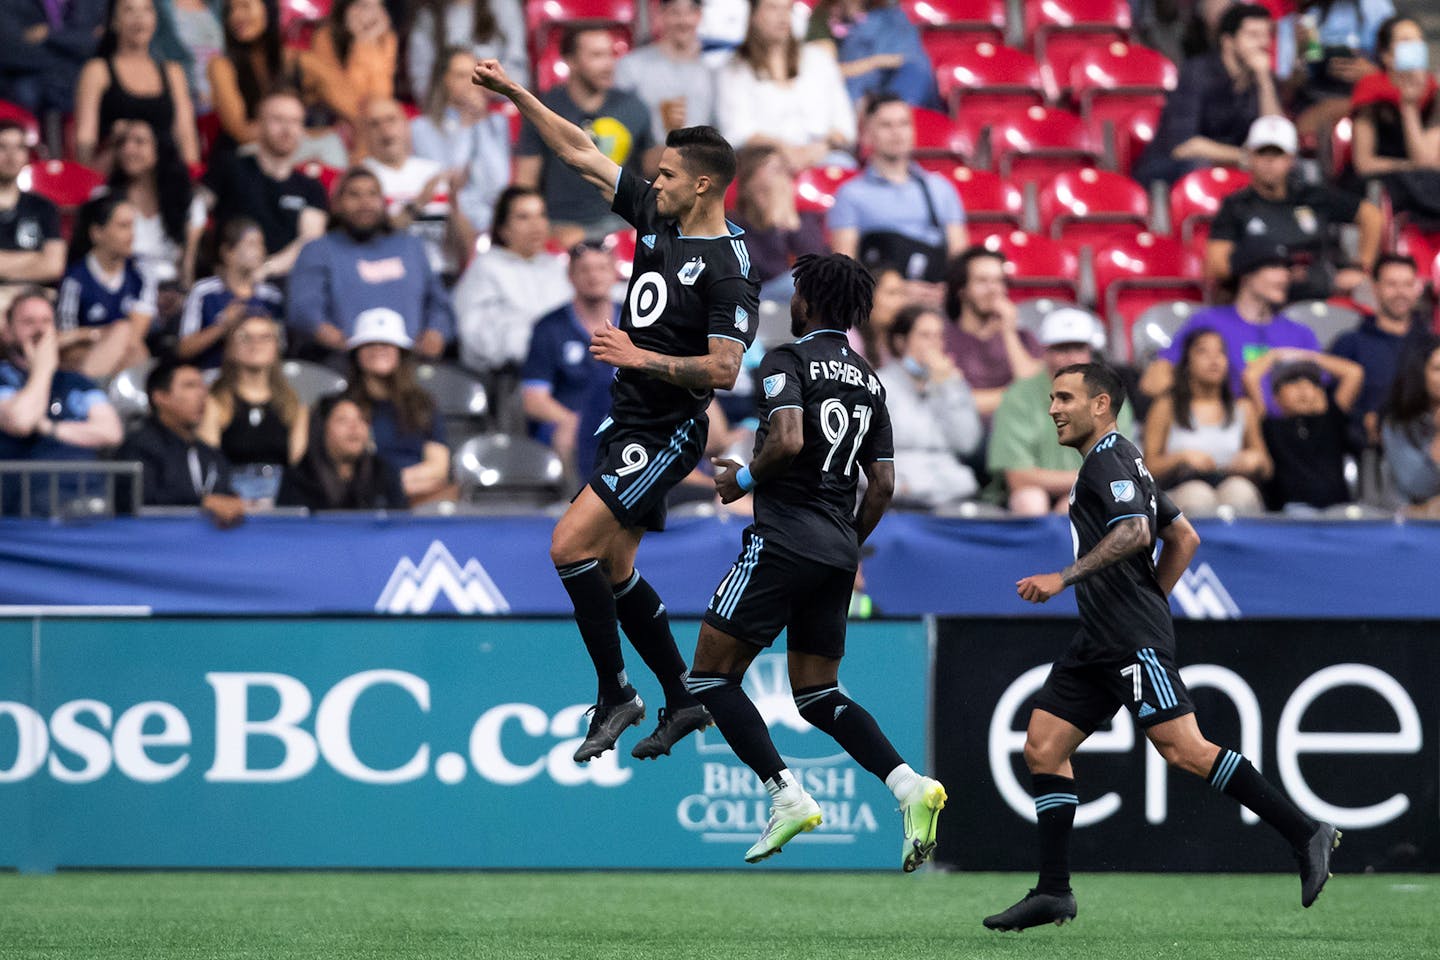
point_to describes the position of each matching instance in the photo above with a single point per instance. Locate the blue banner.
(919, 565)
(397, 743)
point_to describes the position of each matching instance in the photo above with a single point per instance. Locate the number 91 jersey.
(810, 508)
(683, 291)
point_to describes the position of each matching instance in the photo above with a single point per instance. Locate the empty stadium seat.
(1328, 320)
(547, 19)
(815, 188)
(992, 204)
(1119, 78)
(63, 182)
(1061, 31)
(26, 119)
(1196, 198)
(1155, 329)
(127, 391)
(1039, 143)
(988, 79)
(312, 380)
(499, 463)
(1126, 134)
(936, 135)
(1037, 266)
(1135, 274)
(621, 245)
(970, 19)
(1093, 207)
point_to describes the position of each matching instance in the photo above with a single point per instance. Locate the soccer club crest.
(1122, 490)
(742, 319)
(691, 271)
(773, 385)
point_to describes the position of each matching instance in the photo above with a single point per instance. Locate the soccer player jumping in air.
(823, 421)
(689, 315)
(1124, 653)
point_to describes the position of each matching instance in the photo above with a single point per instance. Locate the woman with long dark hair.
(1411, 429)
(340, 471)
(1202, 443)
(106, 305)
(489, 29)
(169, 217)
(124, 82)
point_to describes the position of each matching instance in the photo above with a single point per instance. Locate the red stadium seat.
(1341, 144)
(303, 11)
(815, 188)
(1039, 143)
(973, 19)
(1061, 31)
(327, 175)
(989, 80)
(1037, 266)
(502, 105)
(1196, 198)
(1093, 207)
(1121, 77)
(1127, 134)
(992, 205)
(936, 135)
(26, 119)
(547, 19)
(63, 182)
(621, 245)
(1135, 274)
(551, 70)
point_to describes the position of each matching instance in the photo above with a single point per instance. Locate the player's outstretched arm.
(715, 370)
(1180, 543)
(880, 475)
(1127, 537)
(571, 144)
(783, 443)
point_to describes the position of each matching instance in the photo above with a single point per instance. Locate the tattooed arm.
(715, 370)
(1129, 536)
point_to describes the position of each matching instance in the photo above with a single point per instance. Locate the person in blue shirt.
(216, 306)
(106, 303)
(1379, 341)
(879, 50)
(45, 413)
(363, 263)
(562, 385)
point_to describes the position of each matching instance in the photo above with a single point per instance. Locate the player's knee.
(566, 547)
(1041, 757)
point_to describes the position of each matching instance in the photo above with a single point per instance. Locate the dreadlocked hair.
(837, 289)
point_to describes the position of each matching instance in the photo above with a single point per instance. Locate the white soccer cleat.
(921, 810)
(787, 820)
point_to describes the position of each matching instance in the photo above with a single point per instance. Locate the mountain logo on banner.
(414, 588)
(1201, 596)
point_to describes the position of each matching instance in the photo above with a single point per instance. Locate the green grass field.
(686, 916)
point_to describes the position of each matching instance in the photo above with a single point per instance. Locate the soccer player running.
(823, 421)
(689, 316)
(1124, 653)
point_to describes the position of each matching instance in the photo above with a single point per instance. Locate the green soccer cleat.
(787, 820)
(921, 810)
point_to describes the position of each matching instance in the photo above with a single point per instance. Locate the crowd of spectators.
(340, 193)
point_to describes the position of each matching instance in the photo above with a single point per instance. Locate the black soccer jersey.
(683, 291)
(1122, 608)
(810, 508)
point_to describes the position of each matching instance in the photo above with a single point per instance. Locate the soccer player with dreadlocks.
(823, 421)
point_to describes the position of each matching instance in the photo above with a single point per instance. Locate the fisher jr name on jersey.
(683, 291)
(846, 372)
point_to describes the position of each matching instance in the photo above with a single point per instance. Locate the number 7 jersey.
(810, 508)
(683, 291)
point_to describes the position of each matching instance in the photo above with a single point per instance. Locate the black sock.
(827, 709)
(743, 727)
(1234, 776)
(590, 592)
(1055, 803)
(646, 623)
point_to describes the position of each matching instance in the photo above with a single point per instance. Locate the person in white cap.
(409, 431)
(1279, 215)
(1030, 472)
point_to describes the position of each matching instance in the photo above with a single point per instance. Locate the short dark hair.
(904, 322)
(837, 290)
(1233, 19)
(10, 124)
(503, 204)
(31, 291)
(1391, 260)
(957, 275)
(1099, 378)
(570, 36)
(160, 379)
(351, 175)
(704, 151)
(873, 105)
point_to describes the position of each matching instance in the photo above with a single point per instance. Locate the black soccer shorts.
(1088, 692)
(636, 466)
(769, 589)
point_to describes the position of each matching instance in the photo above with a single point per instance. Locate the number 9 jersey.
(810, 508)
(683, 291)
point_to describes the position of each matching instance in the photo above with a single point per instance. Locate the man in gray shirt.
(618, 122)
(669, 75)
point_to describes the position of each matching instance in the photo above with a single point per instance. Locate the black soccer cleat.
(674, 726)
(607, 722)
(1315, 862)
(1035, 910)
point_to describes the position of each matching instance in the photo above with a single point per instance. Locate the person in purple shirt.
(985, 340)
(1251, 327)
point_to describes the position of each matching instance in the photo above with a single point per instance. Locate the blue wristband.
(743, 477)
